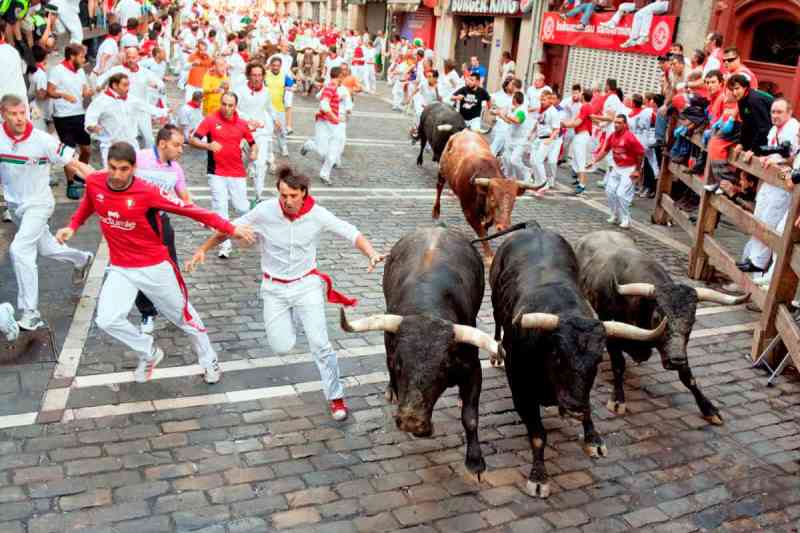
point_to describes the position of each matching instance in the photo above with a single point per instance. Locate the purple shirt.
(168, 176)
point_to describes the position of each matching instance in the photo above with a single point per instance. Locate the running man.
(125, 205)
(25, 158)
(287, 229)
(329, 128)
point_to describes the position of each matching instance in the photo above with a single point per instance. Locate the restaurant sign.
(486, 7)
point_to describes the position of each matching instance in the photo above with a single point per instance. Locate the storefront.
(413, 20)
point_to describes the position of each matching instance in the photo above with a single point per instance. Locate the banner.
(557, 31)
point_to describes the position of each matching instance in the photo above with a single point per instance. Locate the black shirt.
(472, 104)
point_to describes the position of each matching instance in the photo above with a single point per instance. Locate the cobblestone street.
(259, 451)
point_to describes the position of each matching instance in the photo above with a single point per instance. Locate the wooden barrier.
(707, 254)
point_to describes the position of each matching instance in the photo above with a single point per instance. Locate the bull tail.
(515, 227)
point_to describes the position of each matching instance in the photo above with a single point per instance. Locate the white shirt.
(506, 69)
(127, 9)
(642, 124)
(39, 83)
(533, 98)
(330, 63)
(613, 105)
(188, 118)
(128, 40)
(548, 121)
(289, 248)
(142, 81)
(118, 118)
(236, 68)
(67, 81)
(107, 54)
(25, 167)
(12, 81)
(787, 133)
(257, 106)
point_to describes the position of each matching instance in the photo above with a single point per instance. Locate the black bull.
(437, 124)
(552, 340)
(623, 283)
(433, 284)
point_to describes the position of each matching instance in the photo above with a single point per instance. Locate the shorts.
(71, 130)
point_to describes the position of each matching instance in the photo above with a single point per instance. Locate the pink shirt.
(167, 176)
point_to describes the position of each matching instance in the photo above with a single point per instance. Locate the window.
(776, 41)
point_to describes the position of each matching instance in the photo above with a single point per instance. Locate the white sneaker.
(601, 184)
(144, 370)
(224, 253)
(628, 43)
(212, 374)
(7, 216)
(612, 219)
(711, 187)
(31, 320)
(148, 324)
(79, 275)
(625, 224)
(8, 326)
(285, 151)
(325, 179)
(607, 25)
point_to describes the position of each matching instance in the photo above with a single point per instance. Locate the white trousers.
(619, 190)
(642, 19)
(474, 123)
(544, 152)
(160, 284)
(580, 151)
(772, 204)
(328, 142)
(652, 160)
(264, 143)
(779, 231)
(145, 126)
(33, 239)
(222, 188)
(305, 300)
(500, 136)
(70, 21)
(397, 95)
(513, 158)
(281, 137)
(369, 78)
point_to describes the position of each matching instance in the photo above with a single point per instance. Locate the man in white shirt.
(27, 154)
(605, 122)
(533, 97)
(12, 81)
(108, 51)
(130, 38)
(69, 19)
(128, 9)
(40, 105)
(288, 230)
(546, 142)
(191, 114)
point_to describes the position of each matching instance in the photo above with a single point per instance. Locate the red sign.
(557, 31)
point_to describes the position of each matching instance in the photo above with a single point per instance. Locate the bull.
(623, 283)
(487, 197)
(437, 124)
(433, 285)
(552, 340)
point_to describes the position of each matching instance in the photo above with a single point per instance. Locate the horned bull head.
(501, 193)
(419, 361)
(578, 344)
(676, 304)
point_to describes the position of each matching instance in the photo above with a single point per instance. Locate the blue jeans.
(661, 127)
(586, 9)
(681, 148)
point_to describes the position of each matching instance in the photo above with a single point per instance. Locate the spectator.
(754, 110)
(642, 20)
(578, 7)
(475, 67)
(713, 49)
(732, 65)
(507, 66)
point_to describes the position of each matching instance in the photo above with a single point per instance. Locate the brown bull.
(474, 174)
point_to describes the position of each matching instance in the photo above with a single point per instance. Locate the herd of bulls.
(556, 309)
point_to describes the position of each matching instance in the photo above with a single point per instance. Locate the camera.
(796, 176)
(784, 150)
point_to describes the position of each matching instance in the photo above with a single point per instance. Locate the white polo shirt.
(25, 167)
(67, 81)
(255, 105)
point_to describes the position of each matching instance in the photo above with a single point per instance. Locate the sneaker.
(625, 224)
(8, 326)
(711, 187)
(762, 281)
(285, 151)
(719, 191)
(580, 189)
(31, 320)
(303, 150)
(601, 184)
(607, 25)
(212, 374)
(224, 253)
(325, 179)
(289, 131)
(79, 275)
(144, 370)
(7, 216)
(612, 219)
(74, 191)
(148, 324)
(627, 44)
(338, 409)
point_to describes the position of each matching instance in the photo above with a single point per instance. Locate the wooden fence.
(707, 254)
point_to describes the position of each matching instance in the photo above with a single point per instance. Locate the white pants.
(281, 137)
(642, 19)
(652, 160)
(33, 239)
(772, 204)
(500, 136)
(222, 188)
(358, 73)
(779, 231)
(160, 284)
(264, 143)
(513, 157)
(369, 78)
(397, 95)
(474, 123)
(328, 141)
(619, 190)
(305, 300)
(69, 20)
(581, 151)
(545, 151)
(145, 126)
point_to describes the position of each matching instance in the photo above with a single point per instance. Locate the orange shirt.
(200, 64)
(352, 84)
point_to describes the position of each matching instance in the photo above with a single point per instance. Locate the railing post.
(664, 186)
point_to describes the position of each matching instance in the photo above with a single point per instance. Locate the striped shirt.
(329, 102)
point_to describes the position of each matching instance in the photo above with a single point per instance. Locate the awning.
(407, 6)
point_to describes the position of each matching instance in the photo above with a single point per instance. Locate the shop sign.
(565, 32)
(486, 7)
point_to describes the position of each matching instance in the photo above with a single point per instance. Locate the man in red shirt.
(732, 64)
(580, 149)
(127, 208)
(329, 130)
(221, 134)
(626, 157)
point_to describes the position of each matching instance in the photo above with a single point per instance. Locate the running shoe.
(601, 183)
(626, 223)
(8, 326)
(711, 187)
(541, 191)
(224, 253)
(7, 216)
(212, 374)
(31, 320)
(144, 370)
(79, 275)
(338, 409)
(148, 324)
(74, 191)
(580, 189)
(303, 150)
(285, 151)
(325, 179)
(612, 219)
(289, 131)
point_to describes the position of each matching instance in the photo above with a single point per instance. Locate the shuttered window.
(635, 73)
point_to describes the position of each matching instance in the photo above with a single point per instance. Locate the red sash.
(333, 296)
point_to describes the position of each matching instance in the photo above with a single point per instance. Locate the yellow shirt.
(276, 84)
(212, 100)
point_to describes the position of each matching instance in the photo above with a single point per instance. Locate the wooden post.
(663, 187)
(707, 220)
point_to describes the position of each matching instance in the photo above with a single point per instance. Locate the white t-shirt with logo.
(67, 81)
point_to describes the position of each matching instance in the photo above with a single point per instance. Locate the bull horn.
(481, 340)
(710, 295)
(621, 330)
(388, 323)
(444, 127)
(527, 185)
(646, 290)
(540, 321)
(480, 182)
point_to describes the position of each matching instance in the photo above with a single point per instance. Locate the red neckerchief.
(254, 90)
(115, 96)
(308, 203)
(133, 32)
(40, 66)
(774, 140)
(69, 65)
(245, 56)
(133, 68)
(12, 135)
(635, 111)
(193, 104)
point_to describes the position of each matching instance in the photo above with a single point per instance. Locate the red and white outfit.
(292, 286)
(25, 174)
(143, 81)
(329, 131)
(226, 173)
(626, 152)
(255, 104)
(140, 261)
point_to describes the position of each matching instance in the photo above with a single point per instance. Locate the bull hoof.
(596, 450)
(476, 467)
(389, 395)
(538, 490)
(615, 407)
(715, 420)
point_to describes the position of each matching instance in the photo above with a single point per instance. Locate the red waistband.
(332, 295)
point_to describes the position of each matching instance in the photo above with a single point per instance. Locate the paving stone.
(185, 501)
(15, 510)
(312, 496)
(200, 517)
(170, 471)
(82, 467)
(250, 524)
(231, 494)
(198, 482)
(11, 494)
(141, 491)
(37, 473)
(259, 506)
(644, 517)
(173, 440)
(94, 498)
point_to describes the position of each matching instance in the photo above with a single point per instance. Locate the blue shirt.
(480, 70)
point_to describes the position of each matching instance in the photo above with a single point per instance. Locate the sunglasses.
(729, 59)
